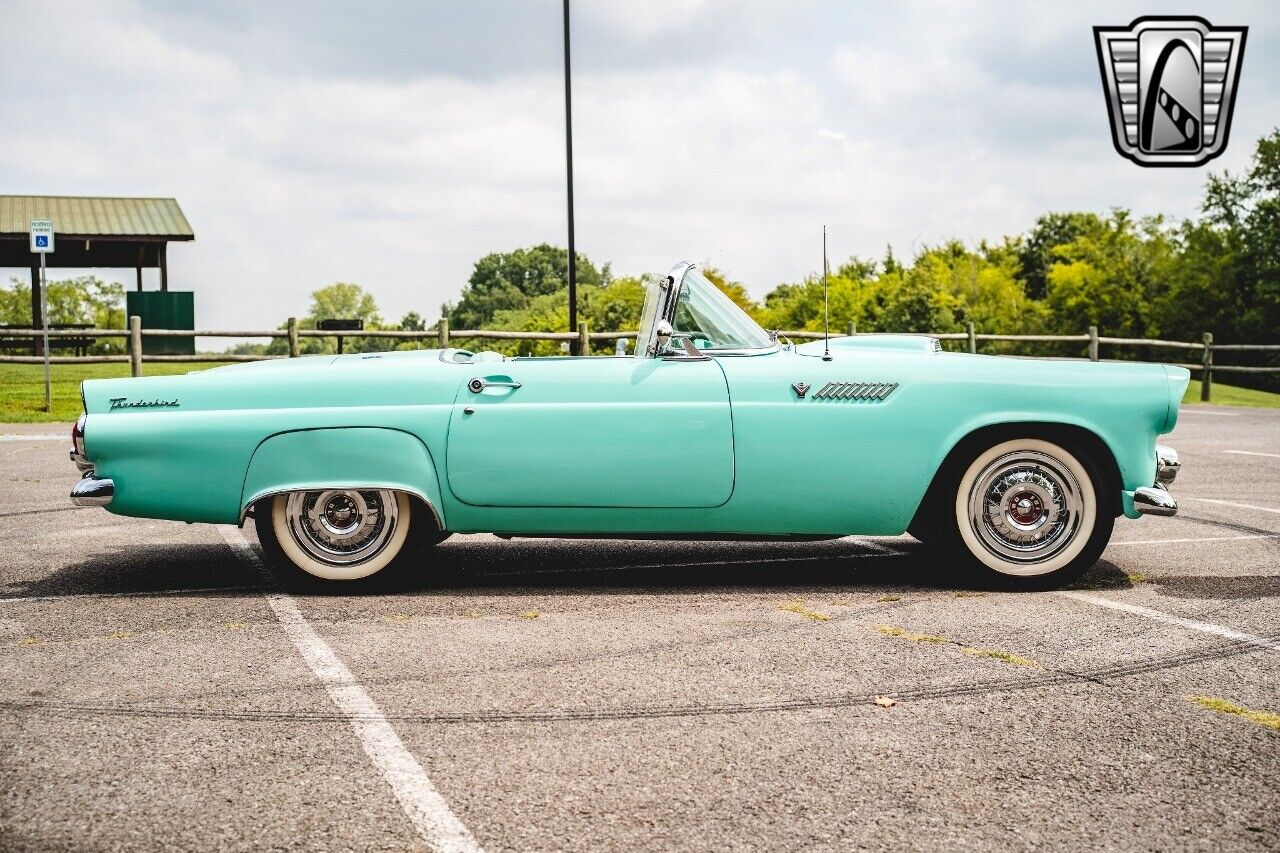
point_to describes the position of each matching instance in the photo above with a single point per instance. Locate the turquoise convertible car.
(714, 428)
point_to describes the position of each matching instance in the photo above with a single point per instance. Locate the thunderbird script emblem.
(1171, 86)
(801, 388)
(126, 403)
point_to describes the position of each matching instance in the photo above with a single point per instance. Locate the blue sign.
(42, 241)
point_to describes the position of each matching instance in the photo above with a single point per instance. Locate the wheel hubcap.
(1025, 507)
(342, 526)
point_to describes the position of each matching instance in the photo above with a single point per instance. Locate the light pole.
(568, 157)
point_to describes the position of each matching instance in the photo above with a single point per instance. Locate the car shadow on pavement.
(586, 567)
(143, 570)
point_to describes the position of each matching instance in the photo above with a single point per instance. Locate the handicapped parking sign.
(42, 235)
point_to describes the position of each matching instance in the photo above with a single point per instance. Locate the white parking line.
(1201, 539)
(1234, 504)
(17, 436)
(1186, 411)
(1170, 619)
(439, 827)
(1253, 453)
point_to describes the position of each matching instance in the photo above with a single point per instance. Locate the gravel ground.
(606, 695)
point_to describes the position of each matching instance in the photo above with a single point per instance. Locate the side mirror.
(664, 333)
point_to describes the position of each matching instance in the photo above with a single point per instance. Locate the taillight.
(77, 435)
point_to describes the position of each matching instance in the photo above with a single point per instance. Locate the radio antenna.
(826, 319)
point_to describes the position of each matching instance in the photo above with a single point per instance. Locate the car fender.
(1130, 445)
(342, 457)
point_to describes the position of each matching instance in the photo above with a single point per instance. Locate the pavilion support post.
(37, 315)
(139, 272)
(293, 337)
(138, 268)
(135, 345)
(161, 250)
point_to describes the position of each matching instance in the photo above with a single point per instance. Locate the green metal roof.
(74, 216)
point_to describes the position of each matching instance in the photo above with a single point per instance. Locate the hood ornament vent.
(873, 392)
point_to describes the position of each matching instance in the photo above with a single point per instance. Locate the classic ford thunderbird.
(1016, 468)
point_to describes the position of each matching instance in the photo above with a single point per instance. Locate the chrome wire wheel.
(1025, 507)
(342, 527)
(1028, 508)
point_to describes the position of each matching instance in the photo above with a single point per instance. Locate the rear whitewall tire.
(1026, 512)
(283, 530)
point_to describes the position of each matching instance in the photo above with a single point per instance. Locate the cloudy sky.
(394, 143)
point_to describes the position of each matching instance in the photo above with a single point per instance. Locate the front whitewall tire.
(1042, 471)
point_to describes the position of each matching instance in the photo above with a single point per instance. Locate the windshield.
(713, 320)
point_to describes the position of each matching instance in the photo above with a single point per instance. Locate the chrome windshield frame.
(670, 298)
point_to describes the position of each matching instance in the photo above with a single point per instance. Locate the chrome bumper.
(93, 492)
(1155, 499)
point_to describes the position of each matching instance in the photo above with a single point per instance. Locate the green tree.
(84, 300)
(509, 281)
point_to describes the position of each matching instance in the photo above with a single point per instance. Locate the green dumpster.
(164, 309)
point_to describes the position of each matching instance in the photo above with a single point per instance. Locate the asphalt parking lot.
(604, 695)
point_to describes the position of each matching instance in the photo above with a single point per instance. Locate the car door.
(592, 432)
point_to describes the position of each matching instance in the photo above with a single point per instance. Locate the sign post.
(42, 244)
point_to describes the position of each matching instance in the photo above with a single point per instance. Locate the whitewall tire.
(1028, 512)
(336, 534)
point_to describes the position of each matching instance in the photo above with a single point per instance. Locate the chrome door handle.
(475, 386)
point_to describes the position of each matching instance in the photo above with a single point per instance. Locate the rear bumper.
(91, 491)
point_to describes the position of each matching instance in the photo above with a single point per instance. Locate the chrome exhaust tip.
(1154, 500)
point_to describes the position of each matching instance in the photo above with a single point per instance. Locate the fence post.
(1206, 369)
(293, 337)
(442, 331)
(853, 328)
(135, 345)
(584, 339)
(1093, 343)
(973, 338)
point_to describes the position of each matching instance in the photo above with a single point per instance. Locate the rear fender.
(342, 458)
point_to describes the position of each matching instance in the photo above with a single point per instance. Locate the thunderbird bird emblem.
(801, 388)
(1171, 85)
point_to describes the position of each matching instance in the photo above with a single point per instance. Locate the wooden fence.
(442, 335)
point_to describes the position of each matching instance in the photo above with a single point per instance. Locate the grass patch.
(889, 598)
(1222, 706)
(529, 614)
(1000, 654)
(799, 608)
(1230, 395)
(903, 634)
(966, 594)
(22, 387)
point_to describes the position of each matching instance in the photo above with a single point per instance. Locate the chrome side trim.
(1154, 500)
(91, 491)
(871, 391)
(270, 493)
(1167, 464)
